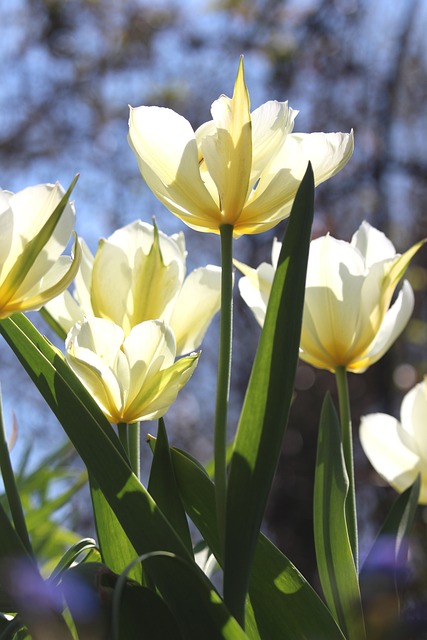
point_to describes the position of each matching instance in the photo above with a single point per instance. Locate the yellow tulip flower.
(133, 377)
(35, 230)
(138, 274)
(241, 168)
(347, 320)
(398, 450)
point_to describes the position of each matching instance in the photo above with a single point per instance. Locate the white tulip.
(133, 377)
(398, 450)
(138, 274)
(241, 168)
(348, 321)
(35, 227)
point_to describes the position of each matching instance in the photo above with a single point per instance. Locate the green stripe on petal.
(35, 302)
(32, 249)
(161, 391)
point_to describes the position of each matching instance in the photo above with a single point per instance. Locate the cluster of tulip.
(133, 311)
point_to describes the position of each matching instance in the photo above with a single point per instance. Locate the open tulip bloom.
(134, 377)
(36, 225)
(398, 450)
(241, 169)
(347, 321)
(146, 270)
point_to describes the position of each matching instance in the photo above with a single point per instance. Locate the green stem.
(11, 489)
(134, 444)
(347, 441)
(122, 430)
(223, 380)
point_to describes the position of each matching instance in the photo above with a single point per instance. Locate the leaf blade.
(265, 411)
(334, 556)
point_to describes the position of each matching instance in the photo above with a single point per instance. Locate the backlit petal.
(91, 351)
(413, 415)
(255, 288)
(166, 149)
(271, 123)
(391, 458)
(197, 303)
(393, 324)
(228, 153)
(149, 347)
(131, 263)
(372, 244)
(161, 390)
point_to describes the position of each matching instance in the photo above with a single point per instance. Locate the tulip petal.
(6, 233)
(149, 348)
(228, 154)
(394, 322)
(91, 351)
(382, 443)
(271, 123)
(161, 390)
(67, 310)
(312, 349)
(166, 150)
(197, 303)
(255, 288)
(327, 152)
(273, 196)
(394, 271)
(32, 208)
(372, 244)
(83, 279)
(131, 264)
(413, 414)
(275, 252)
(334, 282)
(54, 282)
(36, 248)
(269, 202)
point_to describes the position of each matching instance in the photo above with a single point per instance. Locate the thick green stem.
(122, 430)
(224, 368)
(11, 489)
(134, 444)
(129, 436)
(347, 441)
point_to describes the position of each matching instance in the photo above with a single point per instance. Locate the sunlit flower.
(138, 274)
(35, 227)
(133, 377)
(347, 321)
(398, 450)
(240, 168)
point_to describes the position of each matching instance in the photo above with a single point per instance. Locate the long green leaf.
(179, 582)
(116, 549)
(265, 411)
(10, 543)
(335, 562)
(143, 614)
(162, 487)
(135, 608)
(282, 605)
(71, 556)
